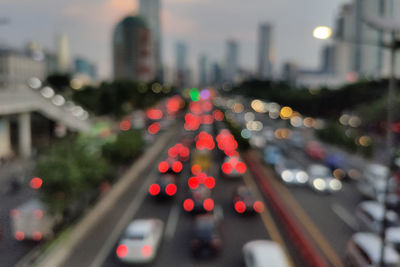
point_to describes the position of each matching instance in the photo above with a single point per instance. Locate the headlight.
(319, 184)
(287, 176)
(301, 177)
(335, 185)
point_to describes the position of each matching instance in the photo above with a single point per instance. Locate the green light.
(194, 94)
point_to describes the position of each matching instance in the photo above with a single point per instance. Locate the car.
(322, 180)
(340, 168)
(393, 237)
(165, 187)
(315, 151)
(291, 172)
(363, 250)
(140, 241)
(272, 154)
(372, 184)
(245, 202)
(233, 167)
(264, 253)
(170, 166)
(199, 200)
(206, 236)
(32, 220)
(369, 215)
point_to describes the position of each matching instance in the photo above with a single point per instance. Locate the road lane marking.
(172, 222)
(266, 217)
(345, 216)
(323, 244)
(122, 224)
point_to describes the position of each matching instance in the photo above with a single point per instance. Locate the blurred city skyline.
(197, 23)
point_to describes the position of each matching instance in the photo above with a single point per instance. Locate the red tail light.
(188, 205)
(208, 204)
(163, 166)
(36, 183)
(227, 168)
(122, 251)
(154, 189)
(37, 236)
(240, 207)
(241, 167)
(38, 214)
(177, 166)
(146, 251)
(193, 182)
(170, 189)
(258, 206)
(19, 235)
(196, 169)
(209, 182)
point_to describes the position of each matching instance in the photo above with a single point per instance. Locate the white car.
(264, 253)
(322, 180)
(363, 250)
(141, 240)
(373, 183)
(369, 215)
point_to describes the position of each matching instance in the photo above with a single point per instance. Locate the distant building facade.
(132, 50)
(150, 10)
(17, 67)
(231, 61)
(181, 65)
(203, 71)
(63, 54)
(265, 55)
(83, 67)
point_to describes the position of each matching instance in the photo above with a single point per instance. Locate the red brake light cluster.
(201, 178)
(204, 141)
(234, 163)
(154, 128)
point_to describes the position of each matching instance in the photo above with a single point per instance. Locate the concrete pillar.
(25, 135)
(5, 141)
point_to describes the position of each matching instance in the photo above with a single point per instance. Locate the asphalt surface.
(12, 250)
(175, 251)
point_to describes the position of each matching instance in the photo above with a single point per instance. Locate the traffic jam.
(206, 157)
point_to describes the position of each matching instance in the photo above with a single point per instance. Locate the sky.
(204, 25)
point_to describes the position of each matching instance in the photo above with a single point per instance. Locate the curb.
(57, 256)
(307, 250)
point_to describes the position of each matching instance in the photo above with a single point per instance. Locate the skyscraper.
(203, 75)
(265, 52)
(63, 54)
(150, 11)
(231, 60)
(132, 54)
(181, 67)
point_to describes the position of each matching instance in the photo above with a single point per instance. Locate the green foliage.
(68, 170)
(127, 146)
(335, 134)
(117, 98)
(319, 103)
(59, 82)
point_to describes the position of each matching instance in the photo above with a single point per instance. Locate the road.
(175, 249)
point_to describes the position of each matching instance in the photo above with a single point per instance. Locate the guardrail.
(308, 251)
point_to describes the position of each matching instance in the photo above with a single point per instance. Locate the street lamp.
(393, 27)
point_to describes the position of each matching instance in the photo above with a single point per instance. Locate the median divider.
(308, 252)
(61, 251)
